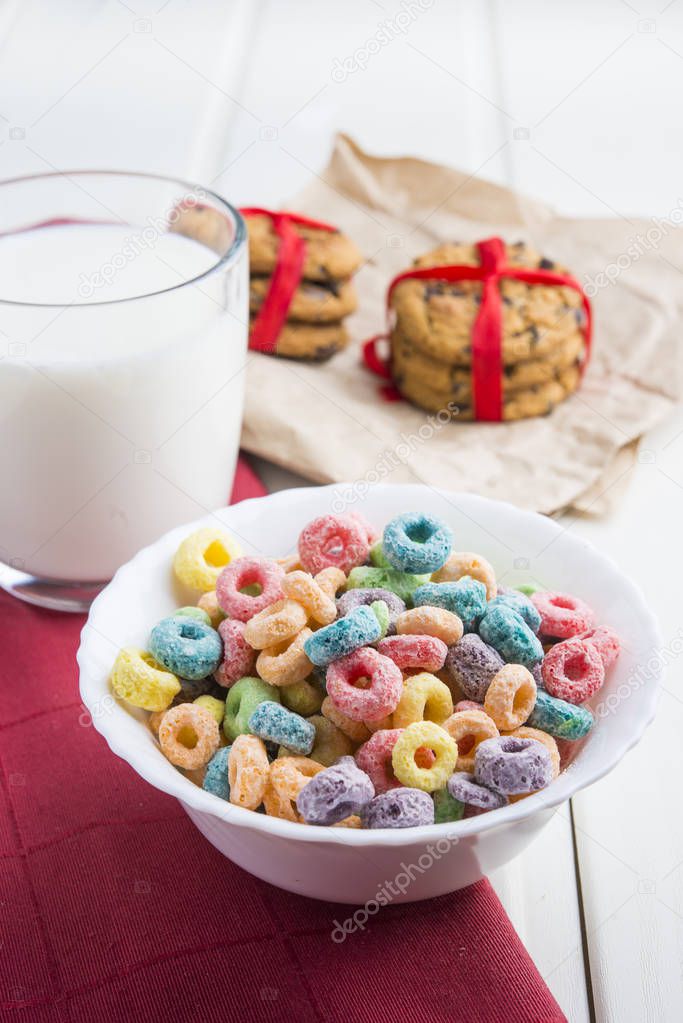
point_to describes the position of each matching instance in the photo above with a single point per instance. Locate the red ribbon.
(487, 362)
(286, 277)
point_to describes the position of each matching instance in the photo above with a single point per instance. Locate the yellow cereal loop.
(469, 728)
(248, 771)
(303, 698)
(285, 663)
(430, 621)
(214, 706)
(277, 623)
(203, 555)
(330, 742)
(510, 697)
(209, 602)
(462, 563)
(137, 678)
(330, 580)
(433, 737)
(356, 730)
(424, 697)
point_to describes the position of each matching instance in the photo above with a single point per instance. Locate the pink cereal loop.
(414, 651)
(333, 541)
(188, 736)
(303, 587)
(238, 657)
(247, 771)
(562, 616)
(285, 664)
(381, 694)
(374, 757)
(275, 624)
(244, 572)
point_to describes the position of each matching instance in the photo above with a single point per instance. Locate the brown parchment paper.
(328, 423)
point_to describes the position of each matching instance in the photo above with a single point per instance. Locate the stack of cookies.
(543, 342)
(314, 329)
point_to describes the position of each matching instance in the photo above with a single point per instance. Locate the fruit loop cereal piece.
(606, 642)
(511, 696)
(431, 735)
(503, 629)
(288, 775)
(399, 808)
(242, 700)
(331, 580)
(190, 689)
(188, 736)
(153, 722)
(562, 616)
(383, 689)
(303, 587)
(140, 680)
(290, 562)
(535, 733)
(335, 793)
(416, 543)
(358, 597)
(466, 598)
(406, 651)
(356, 629)
(377, 556)
(511, 766)
(248, 771)
(330, 742)
(192, 612)
(573, 671)
(208, 602)
(276, 624)
(464, 786)
(286, 663)
(424, 698)
(471, 664)
(356, 730)
(519, 603)
(468, 705)
(333, 541)
(371, 532)
(401, 583)
(303, 698)
(277, 724)
(469, 728)
(186, 647)
(216, 775)
(202, 556)
(216, 708)
(430, 621)
(381, 613)
(249, 572)
(239, 659)
(446, 808)
(558, 718)
(466, 563)
(374, 757)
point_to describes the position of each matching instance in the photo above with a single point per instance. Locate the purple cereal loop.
(464, 786)
(471, 664)
(356, 597)
(399, 808)
(511, 765)
(335, 793)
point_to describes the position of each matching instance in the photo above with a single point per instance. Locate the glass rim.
(236, 246)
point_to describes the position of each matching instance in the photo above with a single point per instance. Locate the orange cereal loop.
(277, 623)
(469, 728)
(356, 730)
(462, 563)
(209, 602)
(277, 805)
(202, 556)
(290, 563)
(303, 587)
(430, 621)
(349, 822)
(247, 771)
(378, 726)
(154, 720)
(287, 777)
(330, 580)
(424, 698)
(188, 736)
(286, 663)
(510, 697)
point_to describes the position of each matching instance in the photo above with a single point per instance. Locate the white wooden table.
(577, 104)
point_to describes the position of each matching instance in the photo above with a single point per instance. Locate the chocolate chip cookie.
(313, 302)
(330, 255)
(311, 342)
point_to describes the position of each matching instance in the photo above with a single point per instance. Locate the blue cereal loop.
(186, 646)
(274, 723)
(508, 633)
(415, 543)
(216, 774)
(359, 627)
(519, 603)
(560, 719)
(466, 598)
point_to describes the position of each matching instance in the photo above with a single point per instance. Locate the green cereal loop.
(303, 698)
(192, 612)
(528, 588)
(400, 583)
(330, 742)
(382, 614)
(446, 808)
(377, 556)
(242, 700)
(215, 707)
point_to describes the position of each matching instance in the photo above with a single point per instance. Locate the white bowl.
(353, 866)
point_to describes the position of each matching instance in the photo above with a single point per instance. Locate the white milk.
(120, 420)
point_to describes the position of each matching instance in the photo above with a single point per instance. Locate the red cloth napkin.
(113, 906)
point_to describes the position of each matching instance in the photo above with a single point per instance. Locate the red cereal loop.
(238, 657)
(467, 705)
(414, 651)
(606, 642)
(244, 572)
(573, 670)
(562, 616)
(379, 687)
(374, 757)
(337, 541)
(373, 534)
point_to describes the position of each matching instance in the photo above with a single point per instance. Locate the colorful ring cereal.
(288, 775)
(186, 647)
(190, 689)
(378, 698)
(374, 757)
(511, 697)
(410, 651)
(248, 572)
(356, 730)
(561, 719)
(307, 591)
(333, 541)
(447, 809)
(356, 629)
(471, 664)
(248, 772)
(573, 670)
(466, 563)
(330, 580)
(431, 735)
(562, 616)
(519, 603)
(606, 642)
(535, 733)
(466, 598)
(188, 736)
(511, 765)
(330, 742)
(416, 543)
(140, 680)
(275, 624)
(399, 808)
(466, 788)
(241, 702)
(469, 728)
(335, 793)
(202, 556)
(360, 596)
(216, 775)
(508, 633)
(403, 584)
(381, 613)
(303, 698)
(215, 707)
(428, 620)
(467, 705)
(286, 663)
(192, 612)
(424, 698)
(239, 659)
(277, 724)
(208, 602)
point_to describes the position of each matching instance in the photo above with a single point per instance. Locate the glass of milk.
(123, 344)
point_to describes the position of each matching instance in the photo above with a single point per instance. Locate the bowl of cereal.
(370, 694)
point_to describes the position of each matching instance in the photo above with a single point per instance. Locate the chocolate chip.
(546, 264)
(580, 317)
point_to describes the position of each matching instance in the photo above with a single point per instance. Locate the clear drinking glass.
(123, 342)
